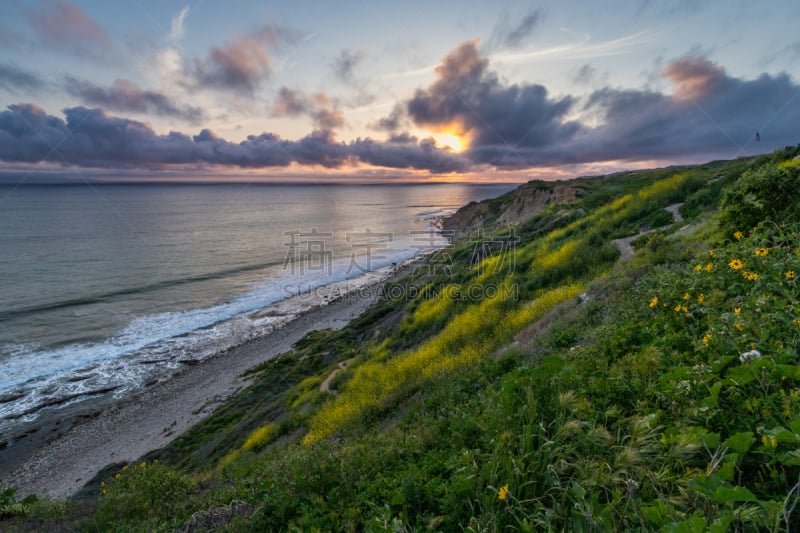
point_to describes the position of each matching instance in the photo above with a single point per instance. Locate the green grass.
(665, 398)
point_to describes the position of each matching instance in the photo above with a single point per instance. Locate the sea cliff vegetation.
(534, 376)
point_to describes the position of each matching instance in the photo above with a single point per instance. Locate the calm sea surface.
(102, 286)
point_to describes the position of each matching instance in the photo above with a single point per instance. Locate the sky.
(375, 90)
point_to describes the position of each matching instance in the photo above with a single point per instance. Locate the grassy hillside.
(526, 379)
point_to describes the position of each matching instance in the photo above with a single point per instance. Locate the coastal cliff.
(555, 384)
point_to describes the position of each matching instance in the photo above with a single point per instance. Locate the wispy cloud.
(16, 79)
(584, 49)
(511, 35)
(177, 27)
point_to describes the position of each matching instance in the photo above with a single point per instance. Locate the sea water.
(103, 287)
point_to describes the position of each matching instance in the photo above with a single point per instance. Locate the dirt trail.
(325, 386)
(624, 245)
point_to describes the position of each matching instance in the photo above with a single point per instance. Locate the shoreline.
(68, 448)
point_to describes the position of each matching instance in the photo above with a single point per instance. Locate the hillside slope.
(527, 379)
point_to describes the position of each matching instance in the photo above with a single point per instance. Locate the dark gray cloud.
(392, 122)
(241, 65)
(707, 114)
(325, 113)
(19, 80)
(499, 119)
(124, 95)
(66, 27)
(93, 138)
(512, 34)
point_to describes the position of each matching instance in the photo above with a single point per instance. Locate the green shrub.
(142, 493)
(765, 193)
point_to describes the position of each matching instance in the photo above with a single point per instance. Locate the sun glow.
(451, 140)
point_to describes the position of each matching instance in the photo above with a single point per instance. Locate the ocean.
(106, 287)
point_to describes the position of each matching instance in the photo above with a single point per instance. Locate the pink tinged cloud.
(695, 78)
(324, 113)
(241, 65)
(65, 26)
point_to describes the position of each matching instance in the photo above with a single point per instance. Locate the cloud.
(18, 80)
(241, 65)
(707, 114)
(94, 138)
(508, 35)
(392, 122)
(344, 65)
(124, 95)
(695, 77)
(66, 27)
(498, 119)
(325, 114)
(178, 25)
(585, 75)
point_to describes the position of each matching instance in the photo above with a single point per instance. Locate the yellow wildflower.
(684, 309)
(738, 235)
(736, 264)
(698, 268)
(790, 274)
(124, 468)
(105, 491)
(750, 276)
(144, 464)
(769, 442)
(685, 295)
(761, 252)
(701, 298)
(653, 302)
(502, 494)
(711, 253)
(707, 339)
(737, 310)
(739, 327)
(117, 475)
(796, 322)
(709, 267)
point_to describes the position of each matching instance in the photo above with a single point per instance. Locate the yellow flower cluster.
(750, 276)
(707, 339)
(653, 302)
(736, 264)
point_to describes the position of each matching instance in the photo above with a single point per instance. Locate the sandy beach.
(59, 458)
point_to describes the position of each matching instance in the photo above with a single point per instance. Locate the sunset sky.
(382, 90)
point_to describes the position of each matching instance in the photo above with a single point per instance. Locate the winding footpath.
(624, 245)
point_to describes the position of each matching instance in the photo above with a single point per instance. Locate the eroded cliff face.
(511, 208)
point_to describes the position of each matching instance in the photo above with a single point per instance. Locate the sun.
(451, 140)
